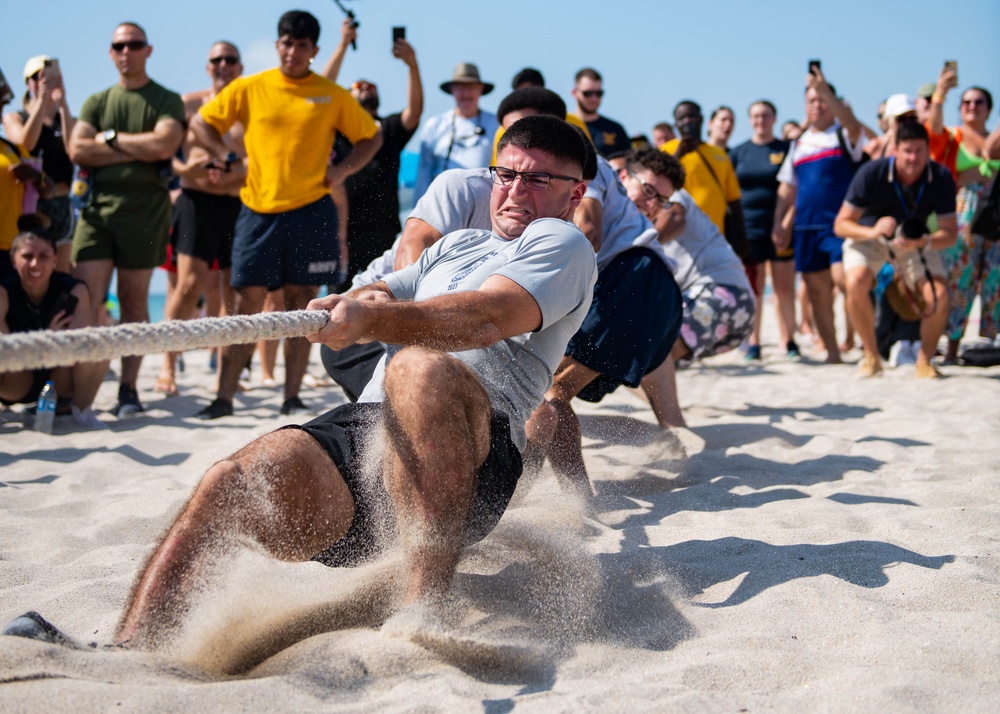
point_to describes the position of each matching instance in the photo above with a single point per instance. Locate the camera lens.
(913, 228)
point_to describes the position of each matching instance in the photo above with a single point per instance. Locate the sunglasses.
(228, 59)
(591, 93)
(973, 102)
(363, 86)
(133, 45)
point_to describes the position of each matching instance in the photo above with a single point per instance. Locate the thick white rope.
(47, 348)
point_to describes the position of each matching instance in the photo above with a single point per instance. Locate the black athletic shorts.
(204, 225)
(344, 431)
(352, 367)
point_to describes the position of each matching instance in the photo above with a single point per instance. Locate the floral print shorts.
(717, 318)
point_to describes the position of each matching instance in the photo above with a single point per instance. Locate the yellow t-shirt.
(571, 118)
(11, 195)
(289, 127)
(712, 194)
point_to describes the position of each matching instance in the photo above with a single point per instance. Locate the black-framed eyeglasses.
(650, 192)
(591, 93)
(228, 59)
(133, 45)
(532, 180)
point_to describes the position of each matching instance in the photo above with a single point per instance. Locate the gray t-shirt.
(702, 253)
(553, 261)
(455, 200)
(622, 225)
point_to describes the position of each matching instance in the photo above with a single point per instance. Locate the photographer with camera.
(899, 209)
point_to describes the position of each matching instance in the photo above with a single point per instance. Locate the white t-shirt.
(702, 253)
(553, 261)
(622, 224)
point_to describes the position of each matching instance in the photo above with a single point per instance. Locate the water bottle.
(80, 192)
(45, 413)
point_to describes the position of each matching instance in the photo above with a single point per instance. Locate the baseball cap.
(926, 89)
(34, 64)
(897, 105)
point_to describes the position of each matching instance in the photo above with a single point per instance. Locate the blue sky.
(651, 54)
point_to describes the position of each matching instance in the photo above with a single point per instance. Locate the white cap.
(897, 105)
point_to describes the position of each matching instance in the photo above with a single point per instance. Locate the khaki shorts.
(873, 254)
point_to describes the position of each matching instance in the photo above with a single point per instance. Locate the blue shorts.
(297, 247)
(633, 322)
(816, 249)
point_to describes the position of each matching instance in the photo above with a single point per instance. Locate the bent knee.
(424, 370)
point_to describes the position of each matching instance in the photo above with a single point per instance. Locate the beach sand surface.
(812, 542)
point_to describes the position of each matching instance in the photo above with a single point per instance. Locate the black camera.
(912, 228)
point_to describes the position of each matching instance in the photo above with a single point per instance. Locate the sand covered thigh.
(810, 542)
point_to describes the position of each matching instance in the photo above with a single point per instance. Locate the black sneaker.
(753, 354)
(293, 405)
(35, 627)
(792, 351)
(128, 402)
(218, 408)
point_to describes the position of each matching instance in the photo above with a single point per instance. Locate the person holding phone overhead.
(43, 127)
(372, 193)
(973, 263)
(38, 297)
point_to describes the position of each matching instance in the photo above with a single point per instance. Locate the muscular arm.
(361, 154)
(86, 150)
(157, 145)
(207, 137)
(473, 319)
(589, 218)
(417, 236)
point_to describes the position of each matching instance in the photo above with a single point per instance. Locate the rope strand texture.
(46, 348)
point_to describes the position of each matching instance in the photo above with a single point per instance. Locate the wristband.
(937, 98)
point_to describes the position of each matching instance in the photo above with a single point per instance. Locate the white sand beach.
(813, 542)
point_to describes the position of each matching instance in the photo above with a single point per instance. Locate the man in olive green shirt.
(125, 138)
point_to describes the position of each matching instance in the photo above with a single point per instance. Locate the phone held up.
(814, 67)
(52, 71)
(951, 66)
(398, 33)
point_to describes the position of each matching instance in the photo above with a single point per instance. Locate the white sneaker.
(87, 419)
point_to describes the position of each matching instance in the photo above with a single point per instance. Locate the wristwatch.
(110, 137)
(231, 158)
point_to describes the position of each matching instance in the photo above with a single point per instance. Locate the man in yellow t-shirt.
(286, 233)
(710, 180)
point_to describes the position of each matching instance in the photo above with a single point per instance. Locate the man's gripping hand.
(350, 318)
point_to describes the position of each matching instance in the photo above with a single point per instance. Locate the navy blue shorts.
(633, 322)
(816, 249)
(297, 247)
(343, 432)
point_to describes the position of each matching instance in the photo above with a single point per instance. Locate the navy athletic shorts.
(297, 247)
(344, 431)
(633, 322)
(816, 249)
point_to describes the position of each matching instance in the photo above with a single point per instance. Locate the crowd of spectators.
(258, 191)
